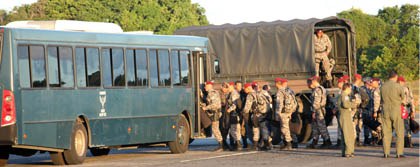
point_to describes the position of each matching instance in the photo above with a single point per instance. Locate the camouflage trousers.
(215, 129)
(358, 123)
(261, 131)
(235, 131)
(407, 130)
(319, 127)
(284, 125)
(322, 57)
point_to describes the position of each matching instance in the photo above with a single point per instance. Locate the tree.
(160, 16)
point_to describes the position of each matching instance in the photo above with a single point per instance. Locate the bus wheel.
(99, 151)
(57, 158)
(4, 156)
(182, 140)
(78, 146)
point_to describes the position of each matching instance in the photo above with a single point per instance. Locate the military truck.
(265, 50)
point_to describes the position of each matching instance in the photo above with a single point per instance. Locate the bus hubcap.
(80, 143)
(181, 135)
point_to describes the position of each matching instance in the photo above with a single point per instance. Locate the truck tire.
(99, 151)
(78, 145)
(182, 139)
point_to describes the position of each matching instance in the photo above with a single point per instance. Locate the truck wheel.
(99, 151)
(306, 133)
(57, 158)
(4, 156)
(78, 146)
(180, 145)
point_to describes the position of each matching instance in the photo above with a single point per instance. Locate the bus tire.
(182, 140)
(99, 151)
(57, 158)
(4, 156)
(78, 145)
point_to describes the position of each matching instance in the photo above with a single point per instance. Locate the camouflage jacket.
(408, 98)
(285, 100)
(322, 44)
(232, 101)
(253, 105)
(319, 98)
(213, 102)
(376, 93)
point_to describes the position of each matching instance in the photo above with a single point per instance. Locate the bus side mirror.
(216, 66)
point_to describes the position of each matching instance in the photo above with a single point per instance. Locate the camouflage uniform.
(322, 49)
(234, 111)
(285, 106)
(213, 106)
(376, 93)
(319, 98)
(259, 123)
(409, 106)
(367, 112)
(357, 112)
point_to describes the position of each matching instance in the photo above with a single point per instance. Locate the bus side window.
(53, 73)
(130, 65)
(66, 67)
(153, 68)
(23, 61)
(80, 67)
(37, 60)
(176, 75)
(106, 67)
(184, 62)
(141, 67)
(118, 73)
(164, 68)
(92, 63)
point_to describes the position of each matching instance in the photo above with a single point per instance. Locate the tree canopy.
(159, 16)
(387, 41)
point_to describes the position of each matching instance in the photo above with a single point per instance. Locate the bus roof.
(89, 38)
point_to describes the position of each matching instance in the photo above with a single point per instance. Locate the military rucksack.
(260, 102)
(290, 102)
(364, 95)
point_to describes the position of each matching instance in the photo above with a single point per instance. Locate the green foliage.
(160, 16)
(388, 41)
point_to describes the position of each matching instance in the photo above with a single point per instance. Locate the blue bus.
(65, 92)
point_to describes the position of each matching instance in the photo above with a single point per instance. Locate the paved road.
(200, 155)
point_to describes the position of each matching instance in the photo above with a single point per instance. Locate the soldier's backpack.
(290, 103)
(323, 96)
(364, 97)
(260, 102)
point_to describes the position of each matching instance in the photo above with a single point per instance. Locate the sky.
(238, 11)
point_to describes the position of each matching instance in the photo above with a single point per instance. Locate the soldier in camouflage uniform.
(285, 106)
(376, 95)
(244, 118)
(367, 109)
(357, 112)
(408, 103)
(256, 105)
(212, 108)
(322, 46)
(225, 118)
(233, 110)
(318, 98)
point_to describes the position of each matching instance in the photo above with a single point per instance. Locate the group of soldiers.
(244, 112)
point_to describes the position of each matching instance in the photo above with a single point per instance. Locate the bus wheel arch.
(181, 142)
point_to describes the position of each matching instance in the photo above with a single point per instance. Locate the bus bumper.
(8, 135)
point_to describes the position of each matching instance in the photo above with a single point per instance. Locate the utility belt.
(214, 115)
(321, 51)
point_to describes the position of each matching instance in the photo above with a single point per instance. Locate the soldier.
(285, 105)
(357, 111)
(244, 118)
(367, 109)
(233, 110)
(346, 103)
(212, 108)
(319, 100)
(408, 102)
(224, 119)
(376, 95)
(322, 45)
(392, 95)
(256, 104)
(336, 112)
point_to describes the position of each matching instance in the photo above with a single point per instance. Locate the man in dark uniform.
(244, 118)
(392, 95)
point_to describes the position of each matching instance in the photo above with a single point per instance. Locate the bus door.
(199, 62)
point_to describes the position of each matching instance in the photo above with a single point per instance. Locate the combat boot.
(295, 145)
(367, 141)
(407, 142)
(326, 144)
(244, 142)
(238, 146)
(268, 145)
(226, 146)
(255, 146)
(219, 148)
(313, 144)
(287, 146)
(338, 144)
